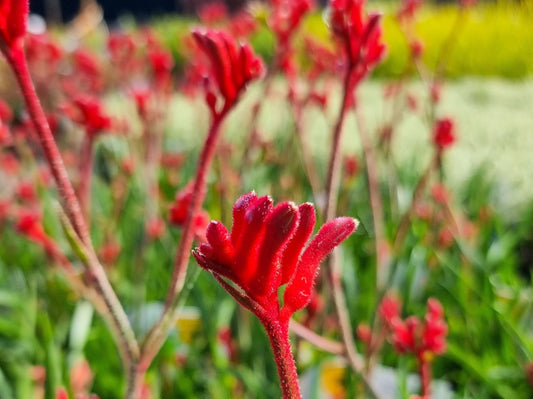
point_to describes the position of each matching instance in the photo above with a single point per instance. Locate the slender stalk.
(136, 376)
(114, 313)
(319, 341)
(332, 188)
(17, 61)
(425, 377)
(334, 166)
(158, 333)
(278, 335)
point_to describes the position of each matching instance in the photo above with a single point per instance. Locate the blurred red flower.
(444, 133)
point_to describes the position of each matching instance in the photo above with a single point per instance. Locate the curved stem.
(17, 61)
(319, 341)
(332, 186)
(332, 180)
(158, 333)
(136, 376)
(115, 315)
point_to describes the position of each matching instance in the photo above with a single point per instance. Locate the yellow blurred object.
(188, 323)
(332, 379)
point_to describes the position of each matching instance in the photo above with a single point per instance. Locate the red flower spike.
(212, 13)
(232, 67)
(6, 114)
(364, 333)
(424, 340)
(161, 62)
(360, 36)
(389, 309)
(180, 208)
(444, 133)
(421, 338)
(287, 16)
(13, 20)
(266, 249)
(298, 292)
(61, 393)
(29, 223)
(89, 112)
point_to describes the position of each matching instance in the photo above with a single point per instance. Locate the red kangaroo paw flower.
(89, 112)
(13, 20)
(361, 36)
(444, 133)
(265, 250)
(233, 66)
(180, 209)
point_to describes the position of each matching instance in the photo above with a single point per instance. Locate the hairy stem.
(278, 335)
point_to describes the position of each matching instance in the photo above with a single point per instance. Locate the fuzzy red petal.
(298, 292)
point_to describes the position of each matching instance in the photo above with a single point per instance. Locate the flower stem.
(278, 335)
(114, 313)
(17, 61)
(425, 378)
(333, 178)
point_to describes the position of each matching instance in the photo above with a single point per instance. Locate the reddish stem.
(333, 178)
(425, 377)
(114, 313)
(278, 335)
(17, 60)
(319, 341)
